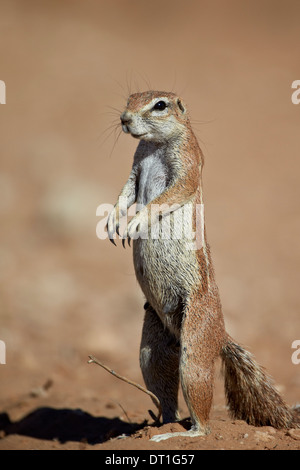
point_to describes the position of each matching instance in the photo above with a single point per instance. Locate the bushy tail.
(250, 393)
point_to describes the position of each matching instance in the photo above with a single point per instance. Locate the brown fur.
(184, 332)
(250, 392)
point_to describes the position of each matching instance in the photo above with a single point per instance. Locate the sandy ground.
(66, 294)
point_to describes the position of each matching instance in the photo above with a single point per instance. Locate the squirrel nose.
(125, 118)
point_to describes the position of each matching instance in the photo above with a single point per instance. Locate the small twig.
(130, 382)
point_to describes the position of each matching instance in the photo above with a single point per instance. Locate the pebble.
(263, 436)
(294, 433)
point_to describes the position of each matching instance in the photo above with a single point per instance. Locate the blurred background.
(69, 67)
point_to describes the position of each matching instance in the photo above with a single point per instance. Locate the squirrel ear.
(180, 105)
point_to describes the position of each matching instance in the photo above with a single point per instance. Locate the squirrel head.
(155, 116)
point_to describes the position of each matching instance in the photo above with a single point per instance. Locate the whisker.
(174, 81)
(128, 83)
(112, 129)
(116, 140)
(114, 109)
(110, 113)
(124, 95)
(114, 125)
(145, 79)
(197, 121)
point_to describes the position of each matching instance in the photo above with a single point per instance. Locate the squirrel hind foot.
(195, 431)
(168, 435)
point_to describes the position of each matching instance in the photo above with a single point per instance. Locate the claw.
(129, 240)
(123, 242)
(117, 229)
(113, 241)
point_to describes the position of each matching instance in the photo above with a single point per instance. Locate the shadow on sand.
(67, 425)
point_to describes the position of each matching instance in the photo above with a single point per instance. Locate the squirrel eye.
(160, 105)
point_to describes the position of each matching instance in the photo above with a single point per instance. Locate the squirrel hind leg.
(202, 334)
(159, 361)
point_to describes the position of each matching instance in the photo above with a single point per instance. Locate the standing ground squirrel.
(183, 332)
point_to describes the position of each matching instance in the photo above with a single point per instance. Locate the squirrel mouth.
(127, 130)
(138, 136)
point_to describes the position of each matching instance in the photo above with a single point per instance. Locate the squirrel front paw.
(137, 228)
(112, 225)
(113, 222)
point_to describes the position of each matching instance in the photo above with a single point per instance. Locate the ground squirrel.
(183, 332)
